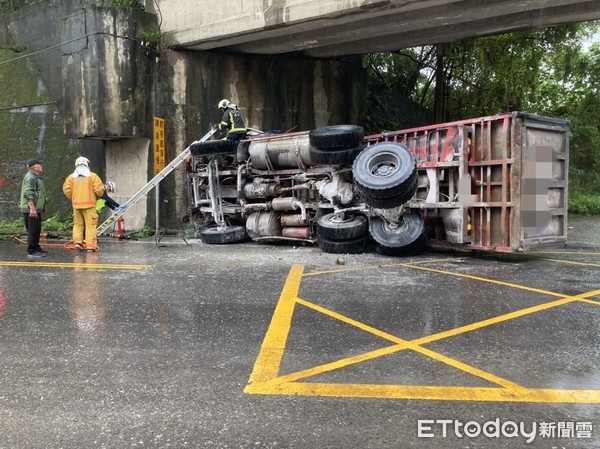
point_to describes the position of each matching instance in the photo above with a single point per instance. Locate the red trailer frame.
(492, 183)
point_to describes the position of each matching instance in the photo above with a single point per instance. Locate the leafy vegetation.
(151, 38)
(146, 231)
(58, 223)
(580, 203)
(553, 72)
(127, 4)
(17, 226)
(55, 223)
(14, 5)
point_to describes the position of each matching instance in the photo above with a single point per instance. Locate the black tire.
(414, 249)
(351, 246)
(211, 147)
(330, 227)
(334, 156)
(406, 239)
(339, 136)
(216, 236)
(393, 201)
(385, 173)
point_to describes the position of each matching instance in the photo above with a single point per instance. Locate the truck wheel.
(334, 156)
(350, 246)
(211, 147)
(385, 175)
(393, 201)
(332, 227)
(405, 239)
(338, 136)
(216, 236)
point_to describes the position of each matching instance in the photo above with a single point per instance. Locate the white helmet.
(110, 186)
(82, 161)
(223, 103)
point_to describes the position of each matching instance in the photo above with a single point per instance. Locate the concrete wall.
(276, 93)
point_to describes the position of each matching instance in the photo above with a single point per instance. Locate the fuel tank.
(288, 151)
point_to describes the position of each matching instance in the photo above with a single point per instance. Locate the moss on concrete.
(26, 86)
(30, 126)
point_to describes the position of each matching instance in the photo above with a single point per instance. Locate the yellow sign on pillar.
(159, 144)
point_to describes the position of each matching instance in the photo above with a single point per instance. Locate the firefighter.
(83, 187)
(232, 121)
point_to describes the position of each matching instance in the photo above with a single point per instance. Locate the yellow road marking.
(420, 262)
(387, 265)
(403, 344)
(107, 266)
(583, 253)
(491, 281)
(341, 270)
(572, 262)
(292, 377)
(450, 273)
(265, 377)
(492, 321)
(271, 352)
(425, 392)
(431, 338)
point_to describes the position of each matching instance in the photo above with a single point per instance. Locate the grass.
(55, 223)
(584, 203)
(12, 227)
(58, 224)
(146, 231)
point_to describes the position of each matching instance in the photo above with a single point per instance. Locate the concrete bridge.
(332, 28)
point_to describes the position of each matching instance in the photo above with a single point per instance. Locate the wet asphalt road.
(279, 346)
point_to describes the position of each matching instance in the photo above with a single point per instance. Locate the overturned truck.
(495, 183)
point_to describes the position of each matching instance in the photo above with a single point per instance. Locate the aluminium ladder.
(151, 184)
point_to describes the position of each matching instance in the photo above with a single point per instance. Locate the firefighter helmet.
(223, 103)
(109, 186)
(82, 161)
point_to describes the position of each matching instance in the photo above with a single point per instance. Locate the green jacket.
(32, 188)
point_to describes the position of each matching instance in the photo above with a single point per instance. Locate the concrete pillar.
(127, 163)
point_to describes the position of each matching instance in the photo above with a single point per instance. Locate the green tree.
(545, 71)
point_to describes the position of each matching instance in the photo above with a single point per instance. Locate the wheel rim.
(383, 165)
(392, 229)
(340, 219)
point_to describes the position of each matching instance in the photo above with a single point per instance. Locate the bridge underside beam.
(393, 25)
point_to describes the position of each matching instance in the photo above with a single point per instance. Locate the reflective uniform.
(233, 122)
(84, 191)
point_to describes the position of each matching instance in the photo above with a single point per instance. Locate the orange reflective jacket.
(83, 191)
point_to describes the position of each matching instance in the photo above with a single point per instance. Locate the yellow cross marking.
(265, 378)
